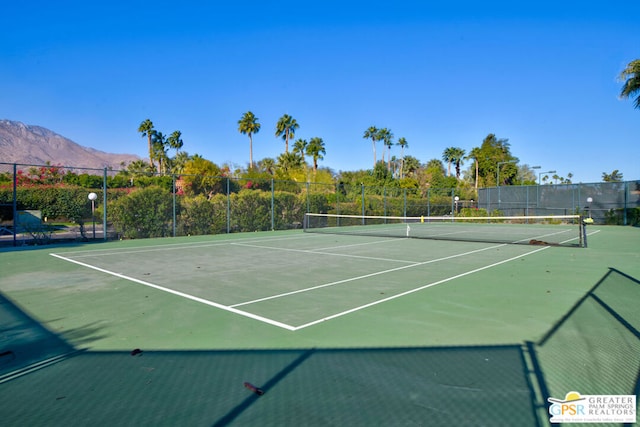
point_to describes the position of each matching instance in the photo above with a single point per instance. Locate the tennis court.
(337, 329)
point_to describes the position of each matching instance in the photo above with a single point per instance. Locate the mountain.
(35, 145)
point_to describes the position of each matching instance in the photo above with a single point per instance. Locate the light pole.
(533, 167)
(542, 173)
(93, 197)
(589, 201)
(455, 201)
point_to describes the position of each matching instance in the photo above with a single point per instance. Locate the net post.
(583, 232)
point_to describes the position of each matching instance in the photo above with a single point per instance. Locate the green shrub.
(146, 212)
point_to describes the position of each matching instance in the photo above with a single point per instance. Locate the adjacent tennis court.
(335, 328)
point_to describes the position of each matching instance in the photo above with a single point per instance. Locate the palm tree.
(372, 133)
(180, 159)
(137, 169)
(411, 165)
(159, 144)
(449, 156)
(386, 137)
(300, 147)
(458, 159)
(474, 155)
(289, 161)
(268, 165)
(248, 125)
(174, 141)
(631, 78)
(286, 128)
(614, 176)
(146, 129)
(402, 142)
(316, 150)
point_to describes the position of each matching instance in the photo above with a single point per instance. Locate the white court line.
(316, 252)
(315, 322)
(351, 279)
(232, 308)
(172, 246)
(181, 294)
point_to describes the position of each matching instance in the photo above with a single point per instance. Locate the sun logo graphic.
(577, 408)
(573, 404)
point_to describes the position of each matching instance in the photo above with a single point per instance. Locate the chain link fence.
(40, 203)
(616, 203)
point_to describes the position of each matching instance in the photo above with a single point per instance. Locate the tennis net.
(556, 230)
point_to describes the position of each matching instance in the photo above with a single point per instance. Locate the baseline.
(180, 294)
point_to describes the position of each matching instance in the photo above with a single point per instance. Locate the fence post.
(104, 204)
(404, 194)
(173, 190)
(384, 201)
(272, 206)
(626, 199)
(453, 203)
(228, 208)
(362, 186)
(338, 204)
(15, 204)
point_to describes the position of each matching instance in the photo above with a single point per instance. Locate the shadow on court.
(595, 347)
(24, 342)
(400, 386)
(433, 386)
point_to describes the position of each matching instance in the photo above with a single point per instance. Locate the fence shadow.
(312, 387)
(595, 349)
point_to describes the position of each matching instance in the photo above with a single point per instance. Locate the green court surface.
(336, 329)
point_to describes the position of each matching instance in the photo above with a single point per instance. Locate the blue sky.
(439, 73)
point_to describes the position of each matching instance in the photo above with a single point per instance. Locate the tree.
(372, 133)
(458, 159)
(411, 165)
(267, 165)
(174, 141)
(159, 144)
(631, 77)
(201, 176)
(386, 136)
(448, 155)
(527, 176)
(614, 176)
(402, 142)
(300, 147)
(286, 128)
(316, 150)
(249, 125)
(493, 151)
(288, 162)
(146, 129)
(474, 155)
